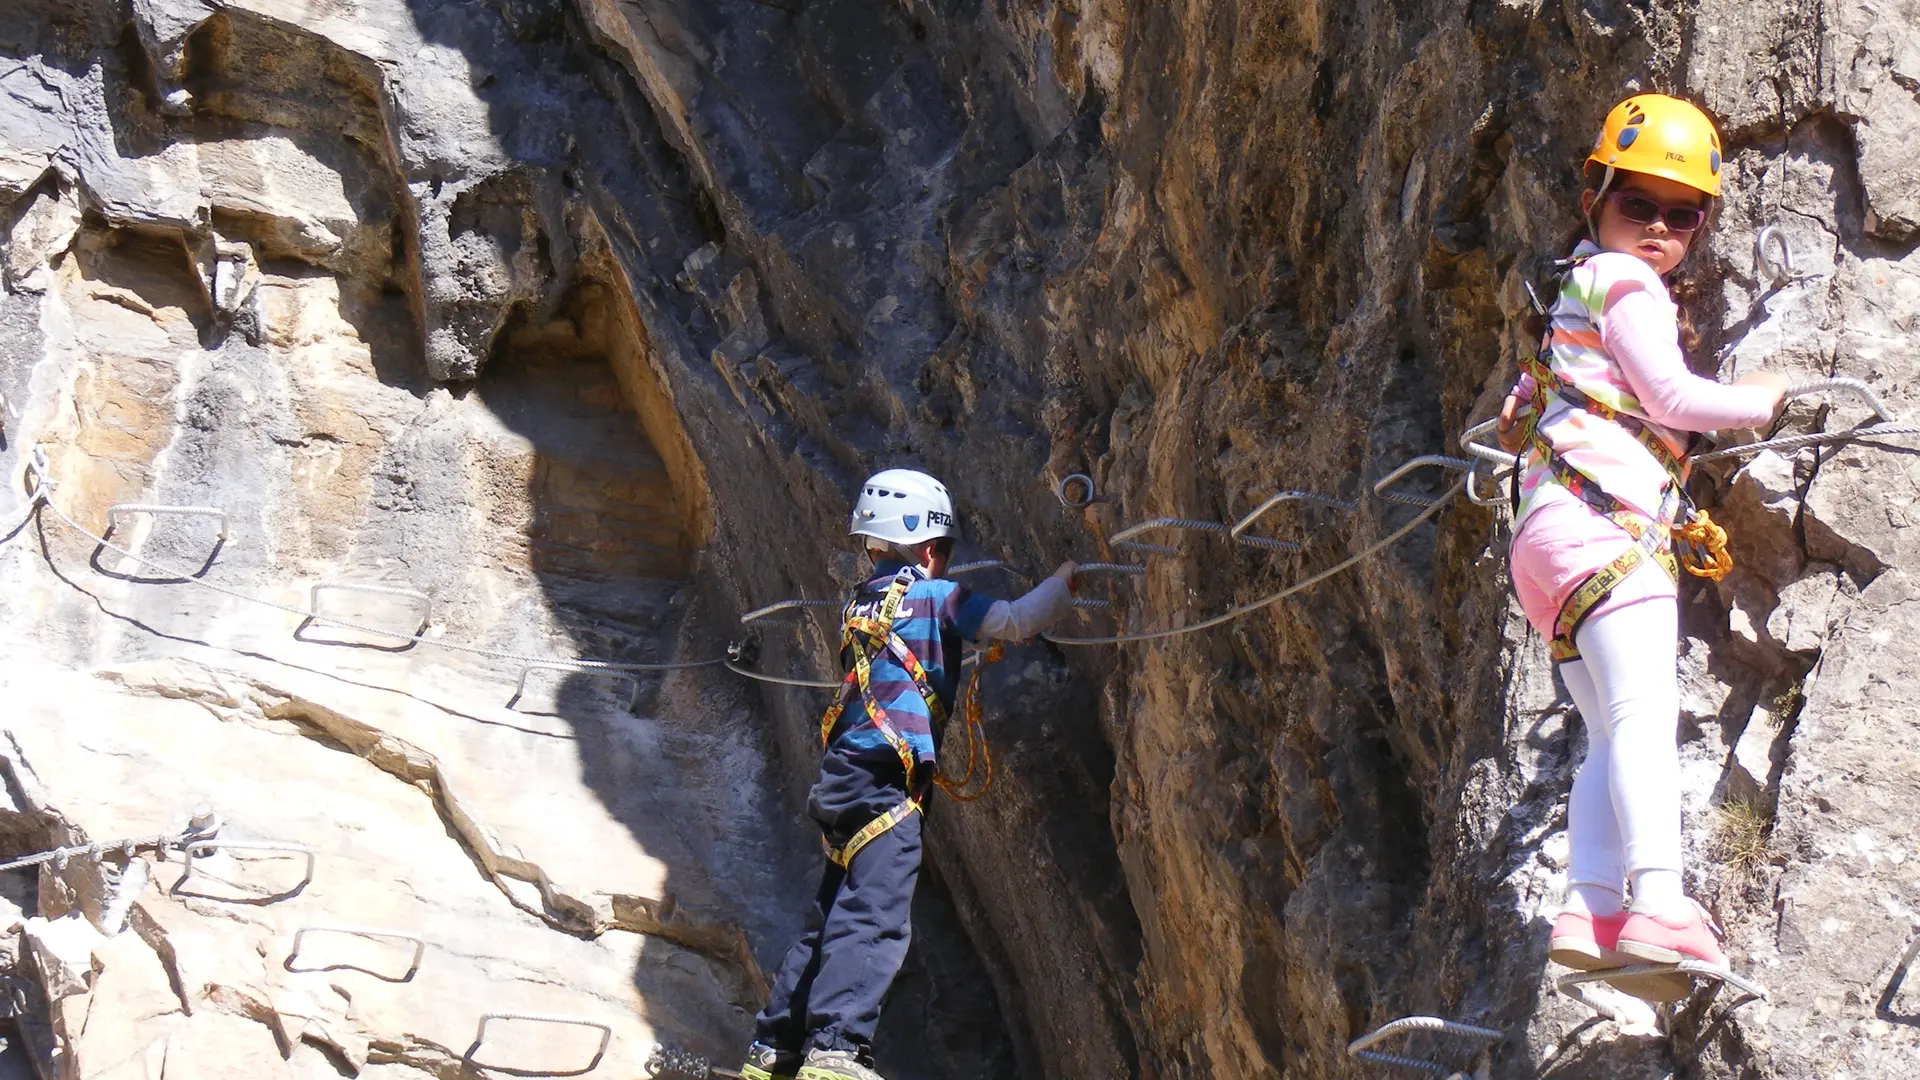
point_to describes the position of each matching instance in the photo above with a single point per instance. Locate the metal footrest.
(1697, 969)
(1239, 530)
(1483, 1038)
(480, 1036)
(788, 605)
(413, 966)
(315, 618)
(121, 510)
(520, 688)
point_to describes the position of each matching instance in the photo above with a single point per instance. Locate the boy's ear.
(1587, 199)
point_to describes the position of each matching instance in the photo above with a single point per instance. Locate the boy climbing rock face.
(901, 645)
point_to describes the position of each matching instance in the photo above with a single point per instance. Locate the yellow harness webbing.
(1702, 544)
(867, 638)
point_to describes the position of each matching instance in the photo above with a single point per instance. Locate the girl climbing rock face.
(1602, 417)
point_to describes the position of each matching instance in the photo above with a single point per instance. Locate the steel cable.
(1817, 438)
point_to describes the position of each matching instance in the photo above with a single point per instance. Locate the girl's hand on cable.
(1511, 437)
(1771, 381)
(1069, 573)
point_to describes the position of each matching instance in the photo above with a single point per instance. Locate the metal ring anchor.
(1777, 271)
(419, 948)
(480, 1036)
(1359, 1048)
(520, 688)
(1856, 387)
(120, 510)
(1240, 527)
(314, 618)
(1060, 491)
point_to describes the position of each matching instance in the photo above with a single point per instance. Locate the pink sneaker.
(1585, 942)
(1669, 939)
(1589, 943)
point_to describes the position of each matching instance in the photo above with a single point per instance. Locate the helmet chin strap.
(1593, 226)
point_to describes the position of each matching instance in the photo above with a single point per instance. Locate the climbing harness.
(865, 638)
(1482, 1039)
(1675, 536)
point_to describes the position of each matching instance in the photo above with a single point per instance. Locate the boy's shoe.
(836, 1065)
(1668, 939)
(765, 1063)
(1585, 942)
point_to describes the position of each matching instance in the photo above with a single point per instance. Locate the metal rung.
(1503, 463)
(1699, 969)
(1469, 442)
(1110, 568)
(1380, 1057)
(313, 600)
(480, 1036)
(1384, 486)
(1124, 538)
(200, 848)
(1090, 605)
(120, 510)
(1858, 388)
(1406, 1025)
(1238, 532)
(734, 666)
(976, 567)
(419, 947)
(520, 688)
(788, 605)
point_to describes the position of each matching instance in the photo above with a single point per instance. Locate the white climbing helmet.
(902, 506)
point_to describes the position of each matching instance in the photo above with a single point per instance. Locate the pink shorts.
(1558, 546)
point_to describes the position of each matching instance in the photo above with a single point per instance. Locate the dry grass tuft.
(1743, 836)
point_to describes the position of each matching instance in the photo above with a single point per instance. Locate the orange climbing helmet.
(1660, 136)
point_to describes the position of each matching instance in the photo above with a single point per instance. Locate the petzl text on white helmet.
(903, 506)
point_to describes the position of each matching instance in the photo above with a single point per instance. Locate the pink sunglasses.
(1641, 210)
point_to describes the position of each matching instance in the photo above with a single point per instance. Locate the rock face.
(571, 326)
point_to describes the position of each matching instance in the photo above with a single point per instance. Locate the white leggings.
(1624, 814)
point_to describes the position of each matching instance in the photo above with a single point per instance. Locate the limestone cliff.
(572, 323)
